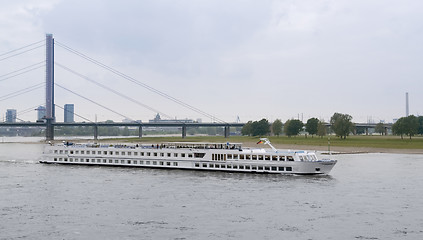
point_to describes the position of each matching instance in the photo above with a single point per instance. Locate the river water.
(366, 196)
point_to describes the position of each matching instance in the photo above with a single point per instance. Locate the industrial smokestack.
(406, 104)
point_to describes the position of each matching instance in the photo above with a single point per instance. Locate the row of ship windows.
(162, 163)
(175, 164)
(116, 153)
(242, 167)
(224, 157)
(215, 157)
(140, 162)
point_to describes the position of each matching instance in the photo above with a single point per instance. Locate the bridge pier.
(49, 129)
(184, 131)
(367, 131)
(226, 131)
(140, 131)
(95, 132)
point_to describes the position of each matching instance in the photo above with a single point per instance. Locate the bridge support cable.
(92, 101)
(154, 90)
(35, 68)
(32, 44)
(28, 110)
(22, 91)
(17, 54)
(20, 119)
(112, 90)
(86, 119)
(16, 72)
(50, 126)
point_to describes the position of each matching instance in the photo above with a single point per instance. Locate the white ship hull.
(193, 156)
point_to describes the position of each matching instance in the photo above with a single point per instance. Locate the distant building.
(41, 113)
(127, 120)
(69, 113)
(158, 119)
(11, 115)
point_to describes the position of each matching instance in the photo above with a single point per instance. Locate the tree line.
(408, 126)
(341, 124)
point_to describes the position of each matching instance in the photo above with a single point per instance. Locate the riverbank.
(352, 145)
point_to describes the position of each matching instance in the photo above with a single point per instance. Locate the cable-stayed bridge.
(49, 120)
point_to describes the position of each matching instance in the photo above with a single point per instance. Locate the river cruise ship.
(190, 155)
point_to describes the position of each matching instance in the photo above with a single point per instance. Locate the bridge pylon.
(50, 111)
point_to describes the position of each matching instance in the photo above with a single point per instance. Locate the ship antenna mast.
(266, 141)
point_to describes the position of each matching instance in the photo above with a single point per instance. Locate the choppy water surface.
(367, 196)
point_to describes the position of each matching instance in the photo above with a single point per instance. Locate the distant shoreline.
(323, 149)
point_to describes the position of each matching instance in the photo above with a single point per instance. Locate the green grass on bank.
(390, 142)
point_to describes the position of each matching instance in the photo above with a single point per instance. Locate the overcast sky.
(253, 59)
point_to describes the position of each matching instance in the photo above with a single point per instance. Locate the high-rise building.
(41, 113)
(69, 113)
(11, 115)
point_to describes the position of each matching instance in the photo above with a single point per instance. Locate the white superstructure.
(190, 155)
